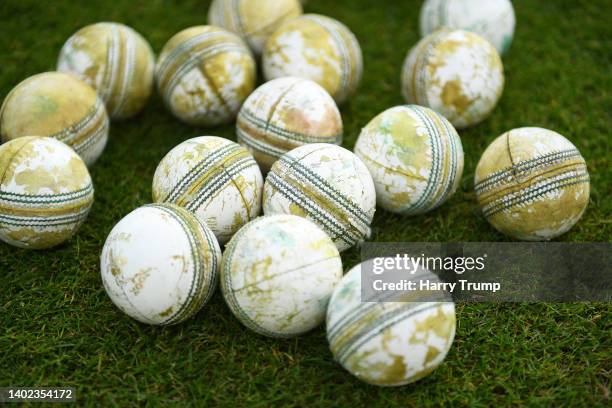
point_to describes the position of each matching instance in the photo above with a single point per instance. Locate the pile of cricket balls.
(281, 274)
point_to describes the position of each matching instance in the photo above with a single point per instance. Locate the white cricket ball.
(116, 61)
(45, 192)
(414, 156)
(327, 184)
(389, 343)
(457, 73)
(159, 264)
(253, 20)
(214, 178)
(204, 74)
(532, 184)
(278, 273)
(318, 48)
(286, 113)
(492, 19)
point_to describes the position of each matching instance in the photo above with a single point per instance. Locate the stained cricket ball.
(214, 178)
(57, 105)
(116, 61)
(389, 343)
(457, 73)
(278, 273)
(532, 184)
(286, 113)
(327, 184)
(415, 158)
(253, 20)
(204, 74)
(45, 192)
(494, 20)
(318, 48)
(159, 264)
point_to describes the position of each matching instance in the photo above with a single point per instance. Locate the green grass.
(57, 326)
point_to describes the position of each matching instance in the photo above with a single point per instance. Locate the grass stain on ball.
(204, 74)
(456, 73)
(159, 264)
(286, 113)
(318, 48)
(493, 20)
(60, 106)
(253, 20)
(116, 61)
(532, 184)
(215, 178)
(278, 273)
(327, 184)
(389, 343)
(45, 192)
(415, 158)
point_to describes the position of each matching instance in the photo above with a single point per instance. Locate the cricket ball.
(214, 178)
(492, 19)
(278, 273)
(60, 106)
(327, 184)
(414, 156)
(318, 48)
(532, 184)
(204, 74)
(456, 73)
(45, 192)
(116, 61)
(253, 20)
(286, 113)
(159, 264)
(389, 343)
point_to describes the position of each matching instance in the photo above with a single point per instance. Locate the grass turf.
(57, 326)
